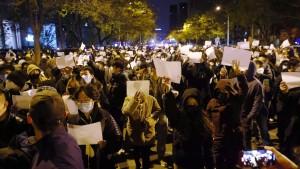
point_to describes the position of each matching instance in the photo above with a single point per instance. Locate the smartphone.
(257, 158)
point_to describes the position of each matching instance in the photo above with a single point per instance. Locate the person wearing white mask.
(87, 74)
(10, 124)
(90, 111)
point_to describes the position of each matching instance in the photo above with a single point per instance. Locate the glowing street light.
(218, 8)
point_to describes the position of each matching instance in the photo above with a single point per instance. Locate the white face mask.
(86, 107)
(284, 67)
(87, 78)
(11, 85)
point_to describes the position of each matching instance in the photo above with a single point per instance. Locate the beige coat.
(142, 117)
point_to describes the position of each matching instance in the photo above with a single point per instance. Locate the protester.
(257, 97)
(10, 124)
(89, 111)
(35, 76)
(87, 75)
(224, 111)
(192, 138)
(56, 148)
(142, 112)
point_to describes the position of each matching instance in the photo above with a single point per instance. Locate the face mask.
(284, 67)
(223, 97)
(86, 107)
(11, 85)
(65, 77)
(71, 90)
(87, 78)
(191, 110)
(34, 76)
(138, 63)
(2, 109)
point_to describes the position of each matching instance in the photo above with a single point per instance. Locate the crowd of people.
(214, 113)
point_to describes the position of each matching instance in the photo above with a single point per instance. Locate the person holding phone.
(281, 160)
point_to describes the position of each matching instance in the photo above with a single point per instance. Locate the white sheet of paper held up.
(195, 56)
(241, 55)
(138, 86)
(292, 79)
(86, 134)
(168, 69)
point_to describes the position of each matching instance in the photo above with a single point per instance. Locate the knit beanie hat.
(18, 77)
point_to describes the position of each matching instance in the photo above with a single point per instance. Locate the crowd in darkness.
(214, 113)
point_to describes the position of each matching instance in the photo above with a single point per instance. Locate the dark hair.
(90, 90)
(88, 69)
(118, 64)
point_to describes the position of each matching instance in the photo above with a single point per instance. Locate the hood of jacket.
(251, 71)
(192, 92)
(31, 68)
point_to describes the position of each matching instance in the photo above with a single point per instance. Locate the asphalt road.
(126, 160)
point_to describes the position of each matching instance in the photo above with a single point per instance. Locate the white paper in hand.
(210, 52)
(255, 43)
(60, 53)
(72, 106)
(86, 134)
(82, 46)
(285, 44)
(292, 79)
(243, 45)
(138, 86)
(65, 61)
(243, 56)
(195, 57)
(168, 69)
(207, 43)
(185, 49)
(31, 92)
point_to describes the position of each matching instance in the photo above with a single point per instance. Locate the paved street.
(129, 163)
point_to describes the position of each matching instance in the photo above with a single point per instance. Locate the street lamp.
(218, 8)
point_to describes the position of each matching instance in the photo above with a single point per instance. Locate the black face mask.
(71, 90)
(34, 76)
(191, 110)
(223, 97)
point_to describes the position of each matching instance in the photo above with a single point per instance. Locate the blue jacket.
(58, 150)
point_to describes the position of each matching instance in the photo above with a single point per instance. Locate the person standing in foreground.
(192, 136)
(56, 148)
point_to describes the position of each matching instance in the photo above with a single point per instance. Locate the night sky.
(161, 8)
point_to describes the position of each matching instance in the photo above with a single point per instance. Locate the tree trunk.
(37, 47)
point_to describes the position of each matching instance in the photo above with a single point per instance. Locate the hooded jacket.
(226, 118)
(254, 98)
(41, 78)
(192, 138)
